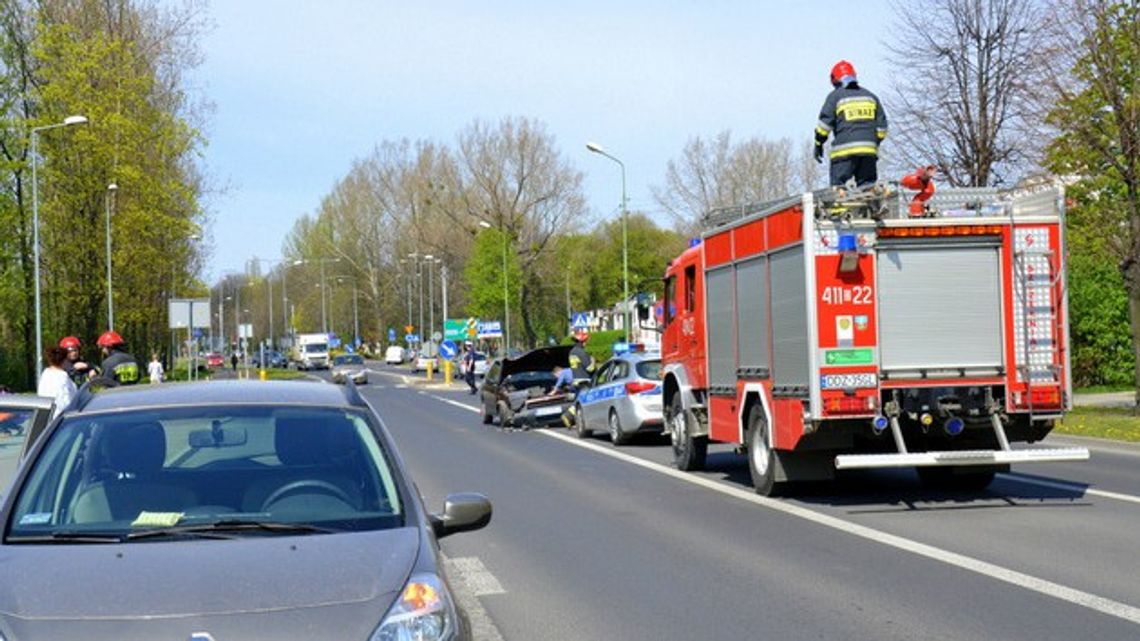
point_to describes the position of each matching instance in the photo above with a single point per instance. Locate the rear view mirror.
(218, 436)
(461, 513)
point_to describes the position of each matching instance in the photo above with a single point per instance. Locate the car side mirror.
(461, 513)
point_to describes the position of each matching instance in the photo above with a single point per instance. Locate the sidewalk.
(1107, 399)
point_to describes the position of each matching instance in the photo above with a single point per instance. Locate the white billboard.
(180, 310)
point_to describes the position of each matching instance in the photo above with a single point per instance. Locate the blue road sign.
(579, 321)
(411, 338)
(448, 349)
(391, 335)
(197, 332)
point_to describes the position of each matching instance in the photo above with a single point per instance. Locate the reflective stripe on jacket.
(855, 119)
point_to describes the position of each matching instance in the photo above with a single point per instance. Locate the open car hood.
(538, 360)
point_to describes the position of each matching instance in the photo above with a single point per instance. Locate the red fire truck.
(834, 331)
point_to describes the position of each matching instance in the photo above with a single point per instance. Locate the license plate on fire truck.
(848, 381)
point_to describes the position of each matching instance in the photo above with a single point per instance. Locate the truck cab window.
(670, 299)
(690, 288)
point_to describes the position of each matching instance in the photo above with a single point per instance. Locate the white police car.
(624, 396)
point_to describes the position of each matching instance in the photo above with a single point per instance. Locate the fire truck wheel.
(948, 478)
(617, 437)
(688, 451)
(761, 458)
(580, 429)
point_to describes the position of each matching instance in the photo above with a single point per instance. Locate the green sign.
(455, 329)
(864, 356)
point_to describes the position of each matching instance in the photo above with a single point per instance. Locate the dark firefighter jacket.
(856, 120)
(122, 367)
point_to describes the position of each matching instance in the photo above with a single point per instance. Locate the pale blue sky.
(303, 88)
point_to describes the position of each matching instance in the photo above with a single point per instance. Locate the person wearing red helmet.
(856, 122)
(118, 364)
(581, 362)
(77, 370)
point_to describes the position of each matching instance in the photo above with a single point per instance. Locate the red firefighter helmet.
(109, 338)
(841, 70)
(69, 342)
(581, 336)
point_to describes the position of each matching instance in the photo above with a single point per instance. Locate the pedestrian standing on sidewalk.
(154, 369)
(469, 366)
(54, 381)
(234, 360)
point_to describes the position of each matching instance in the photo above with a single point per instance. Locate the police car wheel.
(617, 437)
(580, 429)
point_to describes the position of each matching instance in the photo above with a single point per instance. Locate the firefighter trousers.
(865, 170)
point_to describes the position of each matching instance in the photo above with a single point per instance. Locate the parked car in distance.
(272, 358)
(624, 397)
(215, 359)
(515, 391)
(237, 492)
(420, 363)
(348, 366)
(482, 364)
(394, 355)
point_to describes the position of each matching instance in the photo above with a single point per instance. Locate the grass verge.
(1103, 389)
(1117, 424)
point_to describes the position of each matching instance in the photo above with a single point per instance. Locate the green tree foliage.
(484, 276)
(119, 63)
(1098, 115)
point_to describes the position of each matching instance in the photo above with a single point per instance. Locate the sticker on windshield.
(157, 519)
(36, 518)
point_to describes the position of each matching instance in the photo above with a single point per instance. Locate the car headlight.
(423, 612)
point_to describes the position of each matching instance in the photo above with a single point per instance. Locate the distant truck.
(311, 351)
(827, 331)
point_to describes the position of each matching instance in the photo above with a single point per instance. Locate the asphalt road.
(588, 546)
(593, 542)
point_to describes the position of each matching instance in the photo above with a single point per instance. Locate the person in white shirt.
(54, 381)
(155, 369)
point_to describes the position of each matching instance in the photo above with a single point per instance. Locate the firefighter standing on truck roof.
(857, 123)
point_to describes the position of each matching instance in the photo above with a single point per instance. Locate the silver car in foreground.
(624, 397)
(224, 510)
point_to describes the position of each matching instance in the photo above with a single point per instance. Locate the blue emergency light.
(622, 347)
(848, 252)
(693, 242)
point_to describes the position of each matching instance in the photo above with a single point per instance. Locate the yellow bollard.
(263, 375)
(429, 369)
(447, 372)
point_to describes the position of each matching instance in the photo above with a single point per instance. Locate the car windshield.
(312, 348)
(649, 369)
(349, 359)
(15, 421)
(115, 475)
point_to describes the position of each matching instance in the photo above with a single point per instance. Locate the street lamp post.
(324, 308)
(68, 121)
(109, 199)
(597, 149)
(506, 305)
(431, 297)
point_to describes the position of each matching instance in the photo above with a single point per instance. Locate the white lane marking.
(1042, 586)
(466, 586)
(476, 575)
(455, 403)
(1117, 496)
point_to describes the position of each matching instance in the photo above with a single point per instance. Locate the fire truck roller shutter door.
(721, 333)
(789, 318)
(930, 296)
(752, 312)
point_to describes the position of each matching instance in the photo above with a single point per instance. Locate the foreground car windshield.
(119, 474)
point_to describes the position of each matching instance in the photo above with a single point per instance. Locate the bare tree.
(966, 87)
(717, 173)
(515, 178)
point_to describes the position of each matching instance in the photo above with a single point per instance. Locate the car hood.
(538, 360)
(283, 587)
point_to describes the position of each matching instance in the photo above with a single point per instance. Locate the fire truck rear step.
(961, 457)
(953, 458)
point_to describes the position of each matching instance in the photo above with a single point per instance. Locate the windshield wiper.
(67, 536)
(218, 529)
